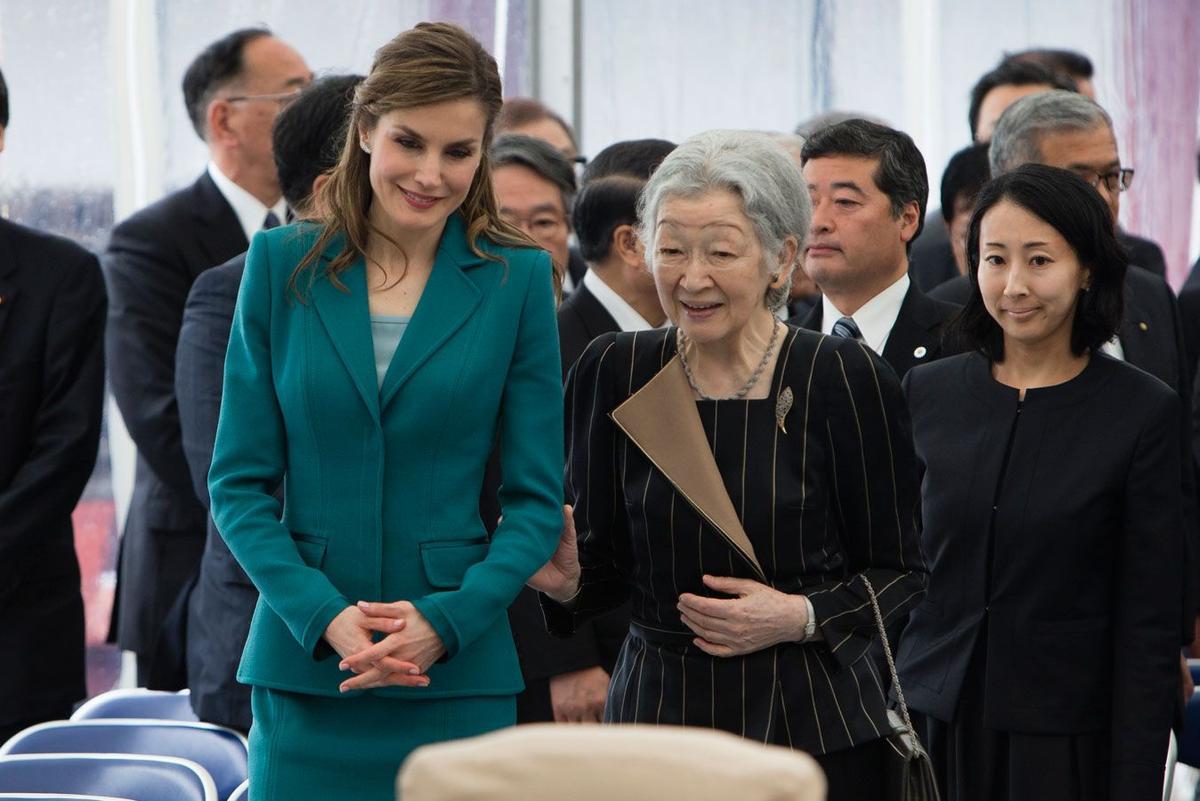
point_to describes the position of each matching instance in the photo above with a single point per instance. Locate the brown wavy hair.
(433, 62)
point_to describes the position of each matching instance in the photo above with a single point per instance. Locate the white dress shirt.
(617, 307)
(249, 210)
(874, 319)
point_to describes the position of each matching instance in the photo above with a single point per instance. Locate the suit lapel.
(661, 420)
(1135, 332)
(813, 320)
(220, 232)
(907, 338)
(8, 275)
(596, 319)
(447, 302)
(347, 320)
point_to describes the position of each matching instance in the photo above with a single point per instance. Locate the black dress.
(825, 489)
(1045, 655)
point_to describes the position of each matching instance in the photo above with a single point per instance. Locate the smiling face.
(856, 246)
(1029, 278)
(423, 161)
(708, 265)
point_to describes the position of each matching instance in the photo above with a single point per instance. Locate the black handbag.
(909, 770)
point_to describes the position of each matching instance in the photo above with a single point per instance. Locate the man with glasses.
(535, 189)
(233, 91)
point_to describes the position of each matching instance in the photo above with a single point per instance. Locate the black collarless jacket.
(150, 263)
(820, 476)
(1053, 525)
(52, 309)
(915, 338)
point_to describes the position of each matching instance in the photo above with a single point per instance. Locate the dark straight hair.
(1071, 206)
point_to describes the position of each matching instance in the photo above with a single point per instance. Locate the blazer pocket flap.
(446, 561)
(311, 548)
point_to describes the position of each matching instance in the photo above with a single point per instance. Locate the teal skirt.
(321, 748)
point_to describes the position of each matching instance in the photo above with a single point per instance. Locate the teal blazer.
(381, 486)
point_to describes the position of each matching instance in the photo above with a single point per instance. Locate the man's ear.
(216, 119)
(628, 245)
(910, 218)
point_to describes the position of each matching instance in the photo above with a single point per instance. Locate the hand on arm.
(559, 577)
(757, 617)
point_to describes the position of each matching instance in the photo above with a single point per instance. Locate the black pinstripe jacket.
(817, 493)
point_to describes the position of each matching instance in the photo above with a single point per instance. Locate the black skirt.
(974, 763)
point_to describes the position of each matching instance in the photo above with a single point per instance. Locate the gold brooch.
(783, 405)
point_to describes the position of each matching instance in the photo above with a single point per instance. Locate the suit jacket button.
(1142, 326)
(920, 352)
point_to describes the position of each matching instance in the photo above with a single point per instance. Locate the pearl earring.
(365, 147)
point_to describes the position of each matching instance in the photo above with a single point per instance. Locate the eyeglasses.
(1115, 181)
(537, 225)
(282, 98)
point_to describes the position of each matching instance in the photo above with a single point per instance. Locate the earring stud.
(365, 147)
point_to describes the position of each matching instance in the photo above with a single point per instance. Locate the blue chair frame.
(133, 777)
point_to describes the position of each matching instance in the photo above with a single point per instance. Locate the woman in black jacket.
(1045, 655)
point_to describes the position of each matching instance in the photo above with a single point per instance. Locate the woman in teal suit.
(374, 361)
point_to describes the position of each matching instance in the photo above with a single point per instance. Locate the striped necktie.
(847, 328)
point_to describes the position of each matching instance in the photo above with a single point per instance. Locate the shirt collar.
(618, 308)
(249, 210)
(875, 318)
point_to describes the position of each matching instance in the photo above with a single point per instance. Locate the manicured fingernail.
(363, 604)
(414, 671)
(343, 666)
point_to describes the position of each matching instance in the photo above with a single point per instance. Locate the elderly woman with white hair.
(744, 482)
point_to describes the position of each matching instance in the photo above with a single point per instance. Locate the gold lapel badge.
(783, 405)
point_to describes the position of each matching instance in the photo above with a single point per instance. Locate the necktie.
(846, 327)
(270, 221)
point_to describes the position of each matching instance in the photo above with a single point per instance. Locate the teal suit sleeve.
(249, 461)
(531, 460)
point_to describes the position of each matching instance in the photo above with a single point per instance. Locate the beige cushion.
(550, 762)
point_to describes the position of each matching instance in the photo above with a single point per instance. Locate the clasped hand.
(401, 659)
(757, 617)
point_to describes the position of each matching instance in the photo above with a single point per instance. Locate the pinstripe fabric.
(834, 497)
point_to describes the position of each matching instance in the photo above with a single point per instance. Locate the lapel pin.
(920, 352)
(783, 405)
(1142, 326)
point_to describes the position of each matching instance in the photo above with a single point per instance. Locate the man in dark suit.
(868, 187)
(233, 90)
(307, 140)
(617, 292)
(52, 309)
(567, 679)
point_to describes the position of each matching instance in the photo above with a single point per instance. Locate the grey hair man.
(535, 188)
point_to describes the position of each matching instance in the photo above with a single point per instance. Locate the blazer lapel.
(447, 302)
(8, 275)
(219, 232)
(661, 419)
(347, 320)
(1135, 333)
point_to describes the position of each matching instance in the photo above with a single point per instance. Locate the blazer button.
(1143, 326)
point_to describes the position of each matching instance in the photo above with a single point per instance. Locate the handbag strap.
(887, 652)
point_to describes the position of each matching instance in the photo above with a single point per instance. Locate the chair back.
(220, 751)
(242, 792)
(138, 703)
(137, 778)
